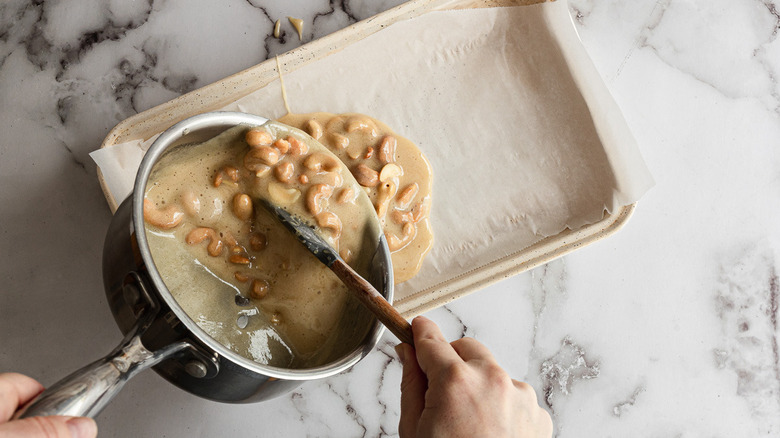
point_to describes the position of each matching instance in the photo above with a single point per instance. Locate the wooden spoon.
(363, 290)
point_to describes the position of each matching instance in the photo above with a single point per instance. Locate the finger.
(434, 353)
(413, 387)
(15, 390)
(471, 349)
(51, 427)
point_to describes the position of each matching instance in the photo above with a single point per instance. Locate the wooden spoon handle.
(374, 301)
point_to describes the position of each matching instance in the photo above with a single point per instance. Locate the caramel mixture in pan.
(243, 277)
(393, 171)
(223, 257)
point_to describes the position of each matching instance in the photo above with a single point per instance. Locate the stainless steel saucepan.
(159, 334)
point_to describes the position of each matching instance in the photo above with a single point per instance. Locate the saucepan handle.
(88, 390)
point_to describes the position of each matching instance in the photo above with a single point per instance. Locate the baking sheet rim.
(541, 252)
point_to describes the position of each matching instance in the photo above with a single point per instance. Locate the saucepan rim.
(215, 120)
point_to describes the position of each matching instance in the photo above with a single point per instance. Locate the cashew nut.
(258, 241)
(394, 243)
(297, 147)
(228, 238)
(284, 171)
(229, 171)
(260, 156)
(282, 195)
(259, 289)
(353, 154)
(329, 220)
(166, 218)
(190, 202)
(239, 259)
(401, 217)
(385, 193)
(283, 146)
(242, 206)
(365, 176)
(361, 123)
(407, 195)
(316, 194)
(338, 140)
(319, 161)
(200, 234)
(421, 210)
(331, 125)
(346, 195)
(387, 149)
(314, 128)
(389, 172)
(332, 179)
(258, 137)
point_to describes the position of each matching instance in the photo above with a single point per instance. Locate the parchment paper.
(522, 134)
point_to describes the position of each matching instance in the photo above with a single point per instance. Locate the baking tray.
(221, 93)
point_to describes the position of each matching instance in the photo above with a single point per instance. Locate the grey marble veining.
(669, 328)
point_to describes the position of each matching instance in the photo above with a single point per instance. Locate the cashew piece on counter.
(316, 194)
(365, 176)
(165, 218)
(242, 206)
(200, 234)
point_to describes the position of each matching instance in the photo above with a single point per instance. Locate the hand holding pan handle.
(88, 390)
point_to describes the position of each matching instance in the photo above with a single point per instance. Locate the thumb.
(413, 387)
(50, 427)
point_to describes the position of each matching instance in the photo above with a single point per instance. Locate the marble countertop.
(668, 328)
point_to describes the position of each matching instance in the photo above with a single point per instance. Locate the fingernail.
(82, 427)
(399, 350)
